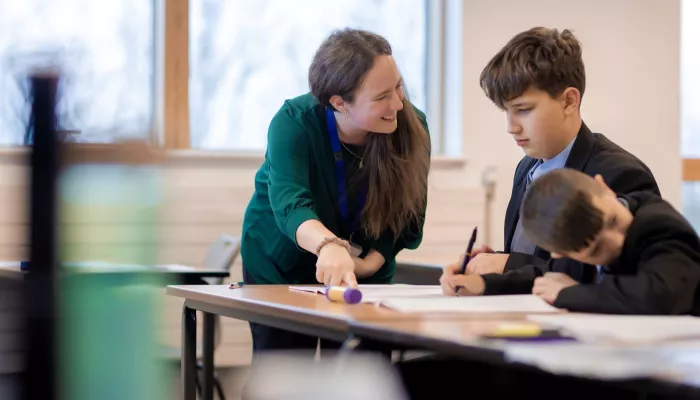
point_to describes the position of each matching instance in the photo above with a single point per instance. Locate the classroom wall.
(204, 195)
(631, 53)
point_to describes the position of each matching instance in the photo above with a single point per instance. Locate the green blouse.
(297, 183)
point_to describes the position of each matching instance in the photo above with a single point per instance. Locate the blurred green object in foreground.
(108, 343)
(108, 317)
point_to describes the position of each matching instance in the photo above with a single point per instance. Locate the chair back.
(221, 255)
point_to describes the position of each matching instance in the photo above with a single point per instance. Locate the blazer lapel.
(581, 150)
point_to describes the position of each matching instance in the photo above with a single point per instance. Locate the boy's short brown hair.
(540, 57)
(558, 213)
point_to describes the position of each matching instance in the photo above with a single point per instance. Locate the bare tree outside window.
(247, 57)
(105, 53)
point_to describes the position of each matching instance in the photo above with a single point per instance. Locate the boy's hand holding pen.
(454, 281)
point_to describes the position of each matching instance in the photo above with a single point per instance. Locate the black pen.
(467, 256)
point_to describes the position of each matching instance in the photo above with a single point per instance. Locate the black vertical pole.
(41, 297)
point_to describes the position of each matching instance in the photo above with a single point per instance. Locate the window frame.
(172, 127)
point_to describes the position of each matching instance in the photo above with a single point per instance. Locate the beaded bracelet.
(333, 239)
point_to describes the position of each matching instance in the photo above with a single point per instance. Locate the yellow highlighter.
(516, 329)
(527, 331)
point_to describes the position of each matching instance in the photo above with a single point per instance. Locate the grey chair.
(417, 273)
(221, 256)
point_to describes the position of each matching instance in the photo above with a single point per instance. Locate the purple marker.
(344, 294)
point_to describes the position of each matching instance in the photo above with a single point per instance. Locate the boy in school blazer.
(538, 79)
(649, 253)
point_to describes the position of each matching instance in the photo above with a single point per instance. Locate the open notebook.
(429, 299)
(487, 304)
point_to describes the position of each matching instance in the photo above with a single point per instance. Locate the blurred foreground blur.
(78, 315)
(343, 377)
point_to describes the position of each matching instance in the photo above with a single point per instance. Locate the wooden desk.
(250, 303)
(454, 334)
(306, 313)
(302, 312)
(459, 335)
(274, 305)
(277, 306)
(462, 337)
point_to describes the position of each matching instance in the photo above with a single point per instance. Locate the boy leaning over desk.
(648, 253)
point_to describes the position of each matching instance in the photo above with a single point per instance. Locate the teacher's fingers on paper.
(319, 275)
(350, 279)
(336, 277)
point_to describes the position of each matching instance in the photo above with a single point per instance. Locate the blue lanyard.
(340, 177)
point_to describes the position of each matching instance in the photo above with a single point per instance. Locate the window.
(690, 79)
(105, 52)
(247, 57)
(690, 109)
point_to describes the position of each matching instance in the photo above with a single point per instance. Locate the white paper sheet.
(514, 303)
(309, 289)
(381, 293)
(626, 328)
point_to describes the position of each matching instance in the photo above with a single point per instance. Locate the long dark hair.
(396, 165)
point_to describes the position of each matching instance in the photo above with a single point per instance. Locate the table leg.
(189, 353)
(350, 344)
(208, 356)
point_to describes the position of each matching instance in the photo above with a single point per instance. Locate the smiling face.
(542, 125)
(376, 101)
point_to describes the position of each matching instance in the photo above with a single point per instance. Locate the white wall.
(204, 195)
(631, 53)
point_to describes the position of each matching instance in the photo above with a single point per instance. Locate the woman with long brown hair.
(343, 187)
